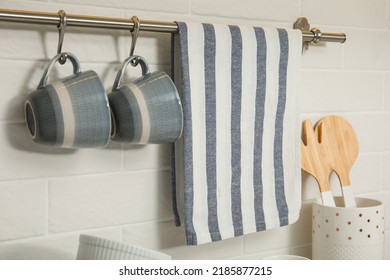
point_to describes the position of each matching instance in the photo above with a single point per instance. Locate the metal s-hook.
(61, 35)
(134, 36)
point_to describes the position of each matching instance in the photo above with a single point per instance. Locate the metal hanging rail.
(33, 17)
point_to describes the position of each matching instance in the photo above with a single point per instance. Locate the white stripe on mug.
(67, 113)
(144, 113)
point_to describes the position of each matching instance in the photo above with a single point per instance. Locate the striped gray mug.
(146, 110)
(72, 112)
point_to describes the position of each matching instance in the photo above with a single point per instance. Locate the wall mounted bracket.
(316, 35)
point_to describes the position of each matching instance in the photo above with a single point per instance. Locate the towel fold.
(237, 165)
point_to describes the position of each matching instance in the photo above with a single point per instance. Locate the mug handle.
(122, 68)
(72, 58)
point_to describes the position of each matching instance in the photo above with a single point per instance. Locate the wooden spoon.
(342, 148)
(315, 163)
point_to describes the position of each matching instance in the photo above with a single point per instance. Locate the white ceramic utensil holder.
(97, 248)
(340, 233)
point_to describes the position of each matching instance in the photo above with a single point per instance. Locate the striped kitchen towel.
(237, 165)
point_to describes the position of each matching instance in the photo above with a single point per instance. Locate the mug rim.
(113, 124)
(28, 104)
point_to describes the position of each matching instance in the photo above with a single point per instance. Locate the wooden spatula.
(342, 148)
(315, 163)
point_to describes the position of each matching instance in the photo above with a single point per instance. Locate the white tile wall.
(171, 6)
(53, 247)
(77, 203)
(23, 208)
(48, 197)
(171, 240)
(341, 91)
(367, 49)
(385, 174)
(357, 13)
(277, 10)
(324, 55)
(21, 158)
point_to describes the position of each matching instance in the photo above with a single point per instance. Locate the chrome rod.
(310, 36)
(84, 21)
(32, 17)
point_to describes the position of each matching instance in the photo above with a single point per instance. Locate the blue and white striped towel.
(237, 164)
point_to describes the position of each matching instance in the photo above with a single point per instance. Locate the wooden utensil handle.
(314, 158)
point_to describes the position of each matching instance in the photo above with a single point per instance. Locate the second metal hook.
(134, 36)
(61, 34)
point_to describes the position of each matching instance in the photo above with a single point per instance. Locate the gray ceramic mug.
(146, 110)
(72, 112)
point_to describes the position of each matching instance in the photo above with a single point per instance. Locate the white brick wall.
(277, 10)
(108, 200)
(48, 197)
(356, 13)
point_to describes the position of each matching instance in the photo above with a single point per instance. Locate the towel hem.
(198, 238)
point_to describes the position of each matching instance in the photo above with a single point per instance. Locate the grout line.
(362, 28)
(300, 8)
(121, 234)
(123, 151)
(343, 64)
(11, 121)
(343, 113)
(47, 210)
(242, 245)
(58, 234)
(345, 70)
(123, 157)
(380, 192)
(383, 91)
(381, 172)
(86, 175)
(365, 153)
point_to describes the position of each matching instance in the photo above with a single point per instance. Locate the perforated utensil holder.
(340, 233)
